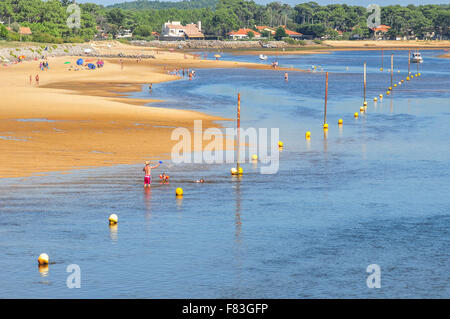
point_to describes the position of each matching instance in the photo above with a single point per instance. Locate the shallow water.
(373, 192)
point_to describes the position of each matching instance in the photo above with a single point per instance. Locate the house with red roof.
(22, 30)
(262, 28)
(292, 34)
(380, 31)
(243, 34)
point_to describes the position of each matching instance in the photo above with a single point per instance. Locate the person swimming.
(201, 180)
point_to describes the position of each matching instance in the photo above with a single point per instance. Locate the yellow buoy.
(179, 191)
(43, 259)
(365, 103)
(402, 81)
(356, 115)
(241, 171)
(254, 157)
(381, 96)
(280, 144)
(418, 74)
(234, 171)
(340, 121)
(381, 69)
(390, 88)
(395, 85)
(375, 99)
(113, 219)
(412, 76)
(361, 109)
(407, 78)
(388, 92)
(308, 134)
(325, 126)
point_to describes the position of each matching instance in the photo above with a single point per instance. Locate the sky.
(321, 2)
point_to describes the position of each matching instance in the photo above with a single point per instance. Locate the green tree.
(280, 33)
(3, 32)
(250, 34)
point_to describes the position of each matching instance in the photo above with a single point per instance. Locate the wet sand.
(81, 119)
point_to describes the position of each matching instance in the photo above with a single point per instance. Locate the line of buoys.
(43, 259)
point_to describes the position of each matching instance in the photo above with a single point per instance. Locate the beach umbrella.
(217, 56)
(80, 61)
(171, 50)
(22, 57)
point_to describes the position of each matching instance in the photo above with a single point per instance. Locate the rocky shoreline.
(212, 44)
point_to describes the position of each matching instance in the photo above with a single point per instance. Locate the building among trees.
(175, 30)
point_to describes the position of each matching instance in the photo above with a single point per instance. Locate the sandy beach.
(82, 119)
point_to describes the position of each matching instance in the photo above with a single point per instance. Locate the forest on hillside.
(47, 19)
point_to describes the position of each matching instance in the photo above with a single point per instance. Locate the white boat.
(262, 57)
(416, 57)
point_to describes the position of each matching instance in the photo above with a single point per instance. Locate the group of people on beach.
(43, 66)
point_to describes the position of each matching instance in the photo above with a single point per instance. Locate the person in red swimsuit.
(148, 173)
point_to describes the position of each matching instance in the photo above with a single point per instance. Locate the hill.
(185, 4)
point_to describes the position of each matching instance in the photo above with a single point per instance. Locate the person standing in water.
(286, 78)
(150, 87)
(148, 173)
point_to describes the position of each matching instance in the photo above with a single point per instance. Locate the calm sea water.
(373, 192)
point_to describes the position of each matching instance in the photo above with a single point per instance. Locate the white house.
(125, 34)
(175, 29)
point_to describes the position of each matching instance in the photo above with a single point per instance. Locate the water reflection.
(148, 202)
(179, 200)
(113, 232)
(43, 270)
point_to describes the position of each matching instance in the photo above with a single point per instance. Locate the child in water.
(164, 178)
